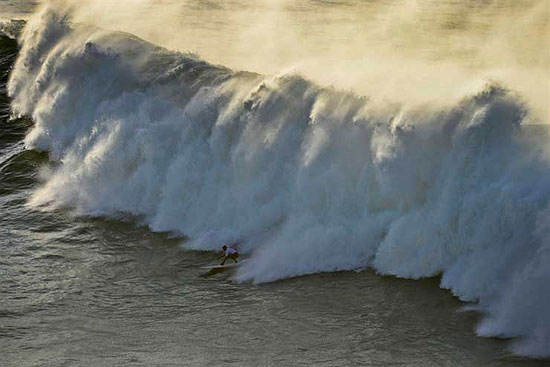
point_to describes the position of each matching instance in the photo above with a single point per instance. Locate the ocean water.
(390, 229)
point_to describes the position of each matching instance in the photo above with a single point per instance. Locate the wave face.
(307, 179)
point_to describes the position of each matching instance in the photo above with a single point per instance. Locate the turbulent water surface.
(123, 164)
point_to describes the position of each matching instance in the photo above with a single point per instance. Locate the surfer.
(229, 253)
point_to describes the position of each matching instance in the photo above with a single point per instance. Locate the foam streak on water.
(308, 179)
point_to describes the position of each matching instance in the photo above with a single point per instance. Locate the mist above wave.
(409, 52)
(308, 179)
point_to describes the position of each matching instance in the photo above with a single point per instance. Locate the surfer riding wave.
(229, 253)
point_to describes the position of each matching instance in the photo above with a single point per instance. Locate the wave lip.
(308, 179)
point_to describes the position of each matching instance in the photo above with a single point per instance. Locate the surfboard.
(224, 266)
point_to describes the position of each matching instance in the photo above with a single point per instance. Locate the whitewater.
(306, 178)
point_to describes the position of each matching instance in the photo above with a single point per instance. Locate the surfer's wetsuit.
(231, 253)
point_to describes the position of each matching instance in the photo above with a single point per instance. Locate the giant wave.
(308, 179)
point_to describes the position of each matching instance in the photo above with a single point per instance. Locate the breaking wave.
(307, 179)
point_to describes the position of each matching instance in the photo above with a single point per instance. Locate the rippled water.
(100, 293)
